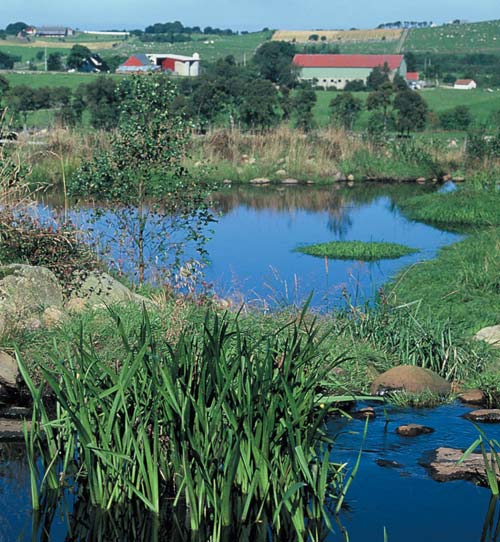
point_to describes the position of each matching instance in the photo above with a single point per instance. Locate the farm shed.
(465, 84)
(188, 66)
(54, 31)
(137, 63)
(338, 70)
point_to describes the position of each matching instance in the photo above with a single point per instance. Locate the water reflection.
(251, 253)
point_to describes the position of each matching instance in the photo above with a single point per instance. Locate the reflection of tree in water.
(339, 217)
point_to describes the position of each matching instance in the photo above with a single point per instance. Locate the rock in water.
(413, 430)
(410, 379)
(443, 466)
(487, 415)
(491, 335)
(473, 397)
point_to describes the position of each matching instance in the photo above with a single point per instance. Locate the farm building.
(414, 81)
(338, 70)
(465, 84)
(54, 32)
(137, 63)
(188, 66)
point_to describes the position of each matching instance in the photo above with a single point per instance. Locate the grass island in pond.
(357, 250)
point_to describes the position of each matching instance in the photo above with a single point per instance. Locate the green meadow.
(483, 37)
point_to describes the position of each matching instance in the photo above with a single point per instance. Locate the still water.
(402, 499)
(251, 252)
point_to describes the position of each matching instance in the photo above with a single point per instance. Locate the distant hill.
(450, 38)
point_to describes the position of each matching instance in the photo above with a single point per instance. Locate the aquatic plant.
(357, 250)
(225, 426)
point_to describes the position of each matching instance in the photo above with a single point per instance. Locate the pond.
(252, 245)
(403, 499)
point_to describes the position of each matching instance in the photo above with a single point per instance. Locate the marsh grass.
(412, 336)
(357, 250)
(459, 208)
(223, 425)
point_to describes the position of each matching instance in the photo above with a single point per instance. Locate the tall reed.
(225, 426)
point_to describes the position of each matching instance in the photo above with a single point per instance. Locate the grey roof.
(143, 58)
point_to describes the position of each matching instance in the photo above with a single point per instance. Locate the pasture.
(483, 37)
(51, 79)
(481, 103)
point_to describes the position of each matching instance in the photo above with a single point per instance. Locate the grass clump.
(357, 250)
(229, 428)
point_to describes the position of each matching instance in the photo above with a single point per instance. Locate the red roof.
(464, 82)
(347, 61)
(412, 76)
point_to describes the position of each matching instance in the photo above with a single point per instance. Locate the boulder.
(9, 371)
(487, 415)
(281, 172)
(413, 430)
(350, 178)
(290, 181)
(410, 379)
(491, 335)
(472, 397)
(100, 289)
(25, 292)
(421, 180)
(443, 466)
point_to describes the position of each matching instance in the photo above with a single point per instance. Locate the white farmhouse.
(465, 84)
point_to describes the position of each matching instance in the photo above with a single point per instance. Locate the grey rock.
(9, 371)
(491, 335)
(100, 289)
(25, 292)
(443, 466)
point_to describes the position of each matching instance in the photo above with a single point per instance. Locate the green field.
(51, 79)
(457, 38)
(481, 103)
(209, 47)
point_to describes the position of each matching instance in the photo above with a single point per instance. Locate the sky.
(241, 14)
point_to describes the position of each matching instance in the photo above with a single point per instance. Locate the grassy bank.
(462, 284)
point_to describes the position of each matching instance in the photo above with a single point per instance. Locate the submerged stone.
(410, 379)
